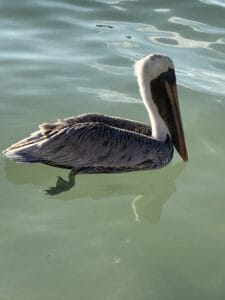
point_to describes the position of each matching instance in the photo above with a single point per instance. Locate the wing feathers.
(90, 140)
(94, 144)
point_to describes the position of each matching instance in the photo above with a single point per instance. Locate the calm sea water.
(149, 235)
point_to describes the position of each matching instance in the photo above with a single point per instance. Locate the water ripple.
(202, 80)
(214, 2)
(77, 36)
(162, 10)
(109, 95)
(173, 39)
(197, 26)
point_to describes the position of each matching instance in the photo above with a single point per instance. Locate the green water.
(138, 236)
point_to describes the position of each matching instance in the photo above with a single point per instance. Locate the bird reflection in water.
(149, 191)
(148, 206)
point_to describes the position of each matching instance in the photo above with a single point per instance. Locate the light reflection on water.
(147, 235)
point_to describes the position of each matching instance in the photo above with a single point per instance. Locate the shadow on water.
(149, 189)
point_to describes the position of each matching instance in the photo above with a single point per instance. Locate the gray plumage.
(94, 143)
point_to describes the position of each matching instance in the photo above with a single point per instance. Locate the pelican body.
(96, 143)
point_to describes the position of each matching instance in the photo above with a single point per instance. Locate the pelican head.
(157, 83)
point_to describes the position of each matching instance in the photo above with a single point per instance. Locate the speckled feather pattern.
(94, 143)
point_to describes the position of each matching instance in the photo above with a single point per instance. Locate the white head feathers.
(153, 65)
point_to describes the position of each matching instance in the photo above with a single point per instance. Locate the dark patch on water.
(104, 26)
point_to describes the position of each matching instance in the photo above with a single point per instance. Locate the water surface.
(147, 235)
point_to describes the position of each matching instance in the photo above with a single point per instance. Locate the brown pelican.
(96, 143)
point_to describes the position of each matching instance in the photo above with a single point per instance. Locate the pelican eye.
(169, 76)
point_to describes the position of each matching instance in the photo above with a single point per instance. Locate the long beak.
(176, 126)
